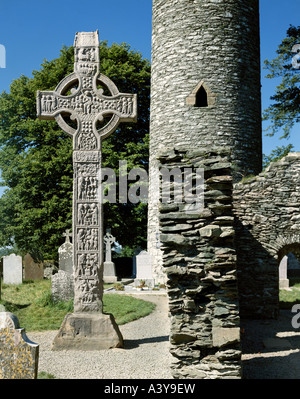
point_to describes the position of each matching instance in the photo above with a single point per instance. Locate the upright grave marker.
(33, 269)
(12, 269)
(65, 254)
(143, 263)
(18, 355)
(79, 96)
(109, 270)
(62, 282)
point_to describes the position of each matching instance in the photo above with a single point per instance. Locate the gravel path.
(271, 350)
(145, 354)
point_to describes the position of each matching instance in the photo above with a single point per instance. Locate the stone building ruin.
(220, 264)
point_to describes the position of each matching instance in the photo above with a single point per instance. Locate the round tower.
(205, 88)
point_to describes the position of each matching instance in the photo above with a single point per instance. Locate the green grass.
(126, 308)
(32, 303)
(288, 298)
(46, 376)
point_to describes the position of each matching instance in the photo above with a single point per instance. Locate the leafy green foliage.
(36, 156)
(276, 154)
(284, 112)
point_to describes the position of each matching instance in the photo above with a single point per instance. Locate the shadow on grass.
(13, 307)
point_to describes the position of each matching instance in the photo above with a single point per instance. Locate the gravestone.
(33, 270)
(62, 286)
(283, 280)
(109, 269)
(143, 264)
(18, 355)
(62, 282)
(12, 269)
(88, 328)
(65, 254)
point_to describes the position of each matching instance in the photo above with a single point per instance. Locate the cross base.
(88, 331)
(109, 273)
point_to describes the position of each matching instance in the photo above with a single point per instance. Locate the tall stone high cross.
(79, 97)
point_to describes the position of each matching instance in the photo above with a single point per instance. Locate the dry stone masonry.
(205, 86)
(199, 260)
(267, 228)
(62, 282)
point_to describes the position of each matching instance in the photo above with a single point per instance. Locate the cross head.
(68, 235)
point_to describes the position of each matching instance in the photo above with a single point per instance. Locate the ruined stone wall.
(214, 45)
(267, 228)
(199, 260)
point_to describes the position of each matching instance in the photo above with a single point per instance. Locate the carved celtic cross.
(108, 240)
(81, 97)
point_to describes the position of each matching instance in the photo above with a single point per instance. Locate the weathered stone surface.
(33, 269)
(143, 262)
(267, 229)
(188, 39)
(87, 105)
(109, 272)
(200, 270)
(62, 286)
(109, 269)
(225, 336)
(65, 255)
(88, 331)
(18, 355)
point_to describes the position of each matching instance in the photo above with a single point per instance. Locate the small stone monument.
(62, 286)
(12, 269)
(18, 355)
(65, 254)
(62, 283)
(143, 264)
(33, 270)
(283, 280)
(109, 270)
(80, 95)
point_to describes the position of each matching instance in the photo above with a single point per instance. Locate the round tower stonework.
(205, 87)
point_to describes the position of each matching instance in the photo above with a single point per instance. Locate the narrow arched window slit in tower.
(201, 97)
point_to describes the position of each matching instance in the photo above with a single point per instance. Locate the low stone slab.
(62, 286)
(18, 355)
(88, 331)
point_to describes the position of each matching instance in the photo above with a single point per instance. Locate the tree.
(276, 155)
(284, 112)
(36, 156)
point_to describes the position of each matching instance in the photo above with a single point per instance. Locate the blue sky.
(34, 30)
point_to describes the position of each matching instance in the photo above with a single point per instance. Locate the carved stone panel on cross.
(88, 106)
